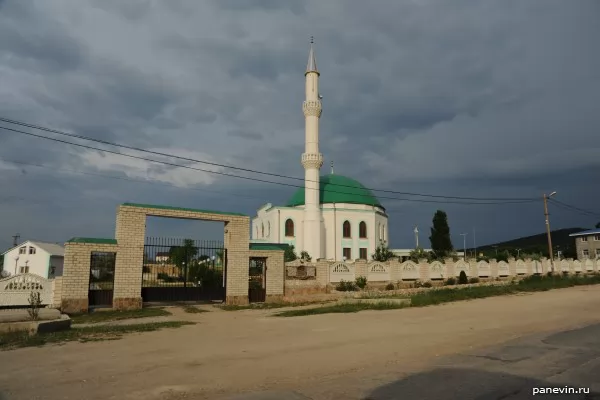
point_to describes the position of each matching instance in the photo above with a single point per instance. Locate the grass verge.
(193, 310)
(534, 283)
(14, 340)
(268, 306)
(343, 308)
(106, 316)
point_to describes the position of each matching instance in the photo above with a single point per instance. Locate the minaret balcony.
(312, 160)
(312, 108)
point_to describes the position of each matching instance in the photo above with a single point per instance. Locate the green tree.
(440, 235)
(420, 253)
(183, 255)
(382, 252)
(290, 254)
(304, 256)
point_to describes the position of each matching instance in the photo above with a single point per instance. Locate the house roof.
(51, 248)
(585, 233)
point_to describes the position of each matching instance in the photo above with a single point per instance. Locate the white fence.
(15, 290)
(326, 272)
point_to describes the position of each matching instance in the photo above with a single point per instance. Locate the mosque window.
(289, 228)
(362, 230)
(262, 228)
(268, 228)
(347, 253)
(362, 253)
(346, 231)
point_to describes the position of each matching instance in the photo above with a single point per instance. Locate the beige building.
(587, 244)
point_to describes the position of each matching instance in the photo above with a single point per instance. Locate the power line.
(33, 126)
(72, 171)
(569, 207)
(256, 179)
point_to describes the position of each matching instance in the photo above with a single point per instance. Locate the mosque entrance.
(257, 280)
(177, 270)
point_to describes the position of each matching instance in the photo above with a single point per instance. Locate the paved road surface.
(497, 348)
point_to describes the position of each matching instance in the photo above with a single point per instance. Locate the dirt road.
(322, 357)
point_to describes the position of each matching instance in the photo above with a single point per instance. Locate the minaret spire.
(311, 66)
(312, 160)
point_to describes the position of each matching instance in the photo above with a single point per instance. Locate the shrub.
(474, 280)
(35, 302)
(462, 278)
(344, 286)
(450, 281)
(361, 282)
(163, 276)
(427, 284)
(390, 286)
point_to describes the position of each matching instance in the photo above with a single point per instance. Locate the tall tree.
(440, 235)
(183, 255)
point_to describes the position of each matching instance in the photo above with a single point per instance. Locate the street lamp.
(464, 235)
(550, 253)
(213, 262)
(16, 261)
(518, 253)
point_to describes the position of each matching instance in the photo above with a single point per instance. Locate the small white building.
(40, 258)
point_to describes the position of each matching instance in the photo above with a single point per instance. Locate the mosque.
(332, 217)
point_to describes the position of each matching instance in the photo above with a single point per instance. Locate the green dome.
(338, 189)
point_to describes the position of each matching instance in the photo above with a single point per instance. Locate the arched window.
(346, 231)
(268, 228)
(262, 229)
(362, 230)
(383, 232)
(257, 232)
(289, 228)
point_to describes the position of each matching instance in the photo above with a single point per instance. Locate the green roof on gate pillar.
(92, 240)
(268, 246)
(159, 207)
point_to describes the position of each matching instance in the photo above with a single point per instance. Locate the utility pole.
(550, 252)
(464, 235)
(416, 231)
(474, 245)
(16, 239)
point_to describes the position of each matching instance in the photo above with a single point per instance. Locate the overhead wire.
(72, 135)
(569, 207)
(516, 201)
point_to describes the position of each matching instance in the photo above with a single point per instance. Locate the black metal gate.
(102, 278)
(257, 288)
(183, 270)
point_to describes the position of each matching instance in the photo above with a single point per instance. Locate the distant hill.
(537, 243)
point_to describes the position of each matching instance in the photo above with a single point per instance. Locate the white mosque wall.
(269, 225)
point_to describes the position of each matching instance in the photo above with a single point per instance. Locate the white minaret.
(312, 160)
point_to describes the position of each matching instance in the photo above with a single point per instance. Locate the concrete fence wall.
(15, 290)
(330, 273)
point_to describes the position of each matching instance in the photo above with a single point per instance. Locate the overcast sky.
(466, 98)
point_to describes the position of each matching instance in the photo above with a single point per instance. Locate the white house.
(40, 258)
(332, 216)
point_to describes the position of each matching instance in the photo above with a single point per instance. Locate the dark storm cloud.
(297, 7)
(464, 98)
(246, 134)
